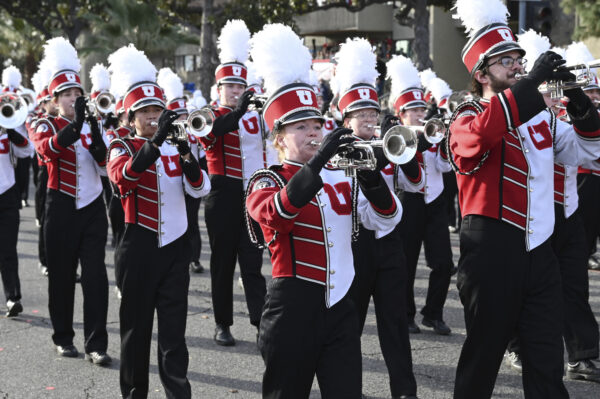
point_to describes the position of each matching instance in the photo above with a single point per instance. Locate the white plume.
(198, 100)
(214, 93)
(60, 54)
(357, 63)
(475, 14)
(281, 56)
(253, 77)
(11, 77)
(129, 66)
(439, 89)
(37, 80)
(313, 78)
(100, 78)
(170, 83)
(534, 45)
(334, 85)
(234, 42)
(45, 71)
(403, 74)
(578, 53)
(427, 76)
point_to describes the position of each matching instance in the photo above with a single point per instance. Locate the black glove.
(423, 144)
(15, 137)
(374, 188)
(432, 111)
(98, 147)
(243, 102)
(563, 74)
(411, 168)
(579, 103)
(182, 147)
(191, 168)
(165, 124)
(111, 121)
(80, 107)
(544, 68)
(387, 123)
(305, 184)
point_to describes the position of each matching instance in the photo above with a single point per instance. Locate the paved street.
(30, 368)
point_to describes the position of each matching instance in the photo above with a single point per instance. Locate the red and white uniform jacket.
(313, 243)
(516, 182)
(401, 181)
(195, 146)
(237, 154)
(434, 162)
(8, 154)
(329, 126)
(72, 170)
(118, 133)
(154, 199)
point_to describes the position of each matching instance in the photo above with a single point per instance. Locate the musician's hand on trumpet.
(243, 103)
(165, 124)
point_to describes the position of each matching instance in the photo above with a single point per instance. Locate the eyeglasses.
(508, 62)
(365, 115)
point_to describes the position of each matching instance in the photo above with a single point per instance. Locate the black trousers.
(380, 268)
(22, 177)
(192, 206)
(299, 337)
(581, 328)
(229, 241)
(427, 224)
(589, 198)
(506, 290)
(153, 278)
(450, 193)
(40, 205)
(9, 232)
(72, 236)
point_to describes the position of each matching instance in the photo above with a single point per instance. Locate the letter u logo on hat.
(304, 97)
(71, 77)
(364, 94)
(237, 71)
(148, 90)
(417, 94)
(506, 35)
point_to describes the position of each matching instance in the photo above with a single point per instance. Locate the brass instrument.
(13, 110)
(399, 146)
(434, 129)
(29, 96)
(104, 102)
(556, 88)
(199, 123)
(257, 102)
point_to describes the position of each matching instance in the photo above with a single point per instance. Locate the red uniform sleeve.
(270, 207)
(44, 140)
(119, 169)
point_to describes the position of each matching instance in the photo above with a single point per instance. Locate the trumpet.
(29, 96)
(199, 123)
(104, 102)
(257, 102)
(399, 146)
(13, 111)
(556, 87)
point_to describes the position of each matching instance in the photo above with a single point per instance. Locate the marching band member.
(11, 81)
(152, 176)
(425, 219)
(13, 144)
(568, 243)
(47, 108)
(173, 89)
(504, 153)
(307, 212)
(234, 150)
(588, 180)
(75, 226)
(379, 261)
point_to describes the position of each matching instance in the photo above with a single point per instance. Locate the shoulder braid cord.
(128, 147)
(454, 116)
(281, 182)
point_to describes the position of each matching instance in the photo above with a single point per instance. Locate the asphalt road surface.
(30, 367)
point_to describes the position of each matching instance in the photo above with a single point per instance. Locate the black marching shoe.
(196, 267)
(14, 308)
(513, 360)
(413, 328)
(223, 336)
(67, 350)
(583, 370)
(98, 357)
(439, 327)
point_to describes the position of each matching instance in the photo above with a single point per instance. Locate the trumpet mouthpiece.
(315, 143)
(153, 123)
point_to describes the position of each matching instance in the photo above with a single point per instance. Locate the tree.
(588, 17)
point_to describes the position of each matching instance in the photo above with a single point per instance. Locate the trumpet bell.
(434, 130)
(400, 144)
(200, 122)
(13, 111)
(104, 102)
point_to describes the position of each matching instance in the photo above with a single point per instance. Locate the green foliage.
(588, 13)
